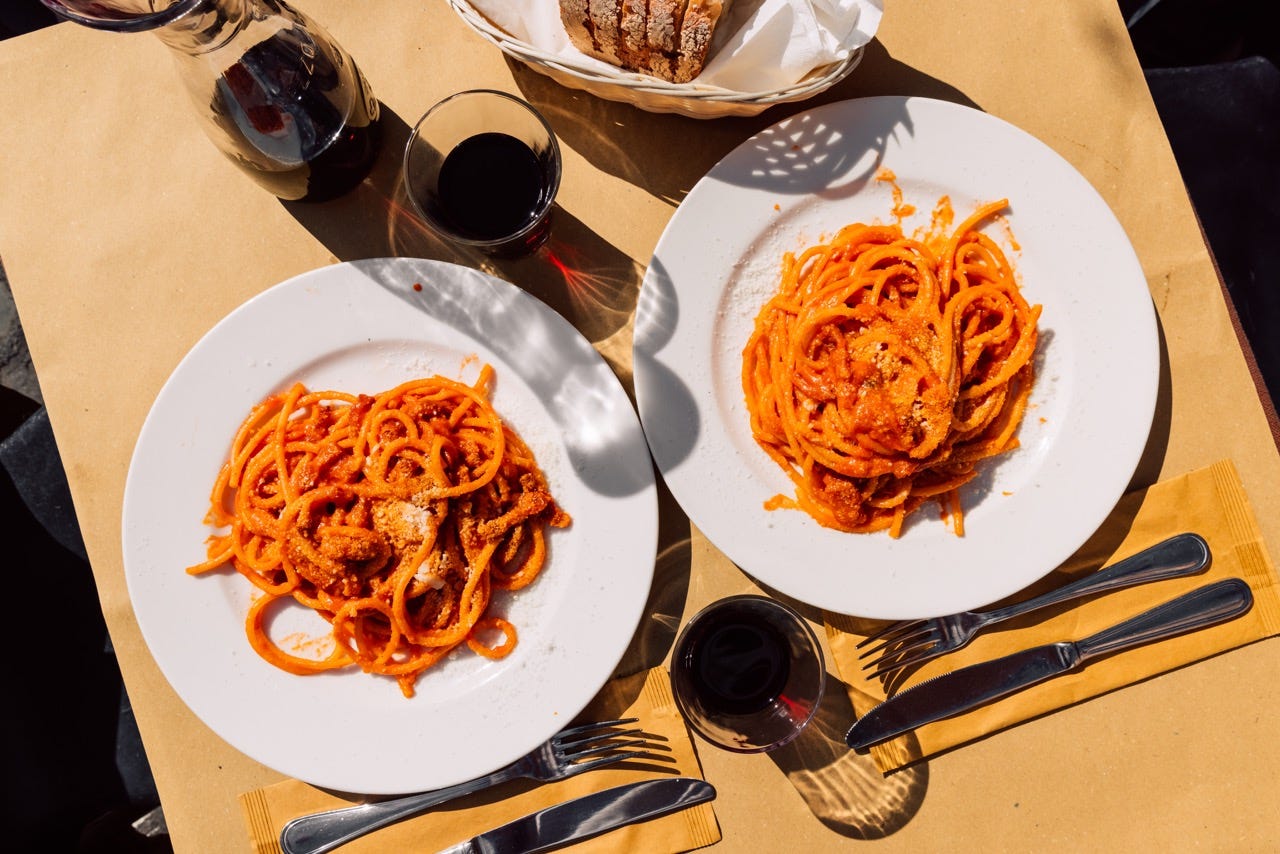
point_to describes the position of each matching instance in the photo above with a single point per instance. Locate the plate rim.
(617, 627)
(659, 350)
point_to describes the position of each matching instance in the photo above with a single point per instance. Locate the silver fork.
(904, 644)
(568, 752)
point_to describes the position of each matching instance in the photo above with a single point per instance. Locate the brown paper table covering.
(126, 237)
(1210, 502)
(645, 696)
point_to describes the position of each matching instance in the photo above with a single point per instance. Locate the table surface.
(126, 237)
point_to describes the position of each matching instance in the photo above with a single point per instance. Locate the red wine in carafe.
(300, 118)
(738, 663)
(491, 186)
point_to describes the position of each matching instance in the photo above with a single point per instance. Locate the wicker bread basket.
(649, 93)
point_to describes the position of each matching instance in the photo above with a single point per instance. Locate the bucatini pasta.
(886, 367)
(393, 516)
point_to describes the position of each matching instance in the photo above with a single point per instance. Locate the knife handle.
(324, 831)
(1202, 607)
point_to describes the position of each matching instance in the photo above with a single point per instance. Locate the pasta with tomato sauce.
(886, 367)
(393, 516)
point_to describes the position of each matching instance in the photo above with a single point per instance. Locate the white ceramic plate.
(798, 182)
(361, 327)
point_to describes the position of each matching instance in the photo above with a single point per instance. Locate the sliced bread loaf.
(670, 39)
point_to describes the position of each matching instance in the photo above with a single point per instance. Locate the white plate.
(361, 327)
(798, 182)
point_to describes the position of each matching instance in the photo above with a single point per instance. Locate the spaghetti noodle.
(886, 367)
(393, 516)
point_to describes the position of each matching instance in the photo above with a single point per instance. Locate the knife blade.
(589, 815)
(969, 687)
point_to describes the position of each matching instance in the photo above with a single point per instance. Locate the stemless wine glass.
(482, 169)
(748, 673)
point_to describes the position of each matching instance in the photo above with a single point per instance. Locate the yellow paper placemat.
(646, 696)
(1210, 502)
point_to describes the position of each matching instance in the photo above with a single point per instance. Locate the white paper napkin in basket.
(760, 45)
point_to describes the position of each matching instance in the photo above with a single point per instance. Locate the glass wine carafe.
(274, 91)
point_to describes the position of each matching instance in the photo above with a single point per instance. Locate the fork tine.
(579, 767)
(890, 630)
(611, 747)
(894, 663)
(570, 734)
(593, 739)
(598, 743)
(893, 646)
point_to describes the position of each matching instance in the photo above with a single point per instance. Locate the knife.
(969, 687)
(589, 815)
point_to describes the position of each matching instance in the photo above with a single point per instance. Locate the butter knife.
(589, 815)
(972, 686)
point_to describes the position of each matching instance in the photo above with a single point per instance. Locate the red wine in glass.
(738, 662)
(481, 169)
(748, 673)
(491, 185)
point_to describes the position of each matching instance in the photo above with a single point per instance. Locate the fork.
(567, 753)
(907, 643)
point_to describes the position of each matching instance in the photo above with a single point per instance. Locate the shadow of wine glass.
(582, 277)
(845, 790)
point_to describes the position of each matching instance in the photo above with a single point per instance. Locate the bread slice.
(696, 29)
(577, 24)
(634, 48)
(670, 39)
(662, 30)
(606, 18)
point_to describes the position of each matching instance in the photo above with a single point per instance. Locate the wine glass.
(748, 673)
(482, 169)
